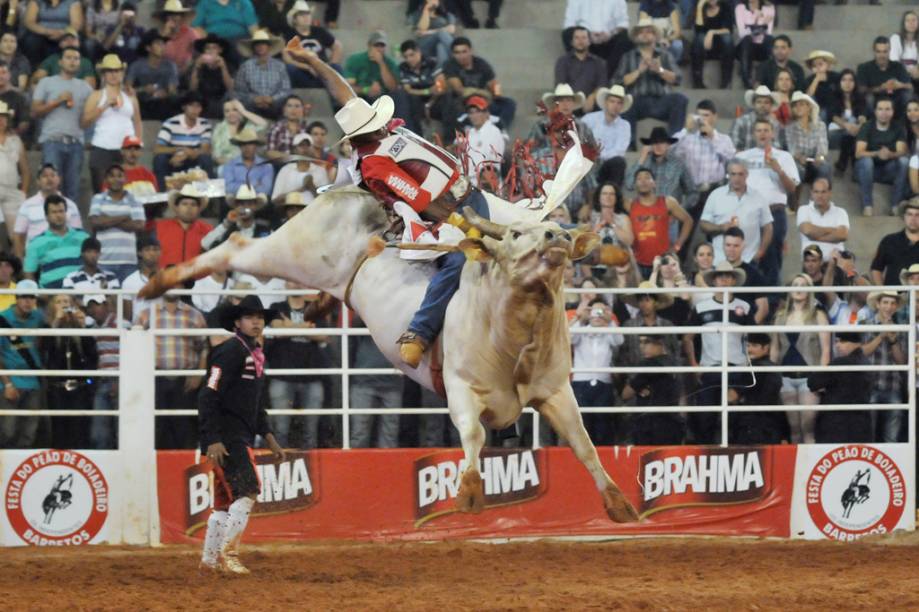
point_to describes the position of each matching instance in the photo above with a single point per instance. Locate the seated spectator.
(666, 16)
(807, 140)
(595, 350)
(102, 16)
(911, 123)
(784, 88)
(116, 217)
(319, 134)
(564, 100)
(434, 26)
(843, 387)
(800, 349)
(148, 259)
(468, 75)
(374, 391)
(485, 143)
(19, 67)
(425, 84)
(758, 427)
(211, 74)
(249, 168)
(293, 203)
(155, 78)
(240, 218)
(762, 102)
(823, 83)
(59, 101)
(734, 244)
(18, 118)
(611, 131)
(184, 141)
(848, 111)
(651, 214)
(649, 76)
(55, 253)
(312, 37)
(180, 36)
(883, 78)
(767, 72)
(232, 20)
(881, 156)
(21, 353)
(89, 277)
(886, 349)
(274, 16)
(235, 119)
(755, 20)
(30, 220)
(671, 177)
(262, 82)
(45, 25)
(138, 180)
(373, 73)
(581, 69)
(281, 135)
(51, 64)
(103, 430)
(903, 44)
(654, 389)
(608, 24)
(14, 168)
(821, 222)
(180, 236)
(713, 25)
(303, 176)
(10, 268)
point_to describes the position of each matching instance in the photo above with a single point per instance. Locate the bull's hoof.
(618, 508)
(471, 496)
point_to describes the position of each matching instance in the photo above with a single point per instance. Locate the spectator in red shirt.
(650, 214)
(180, 237)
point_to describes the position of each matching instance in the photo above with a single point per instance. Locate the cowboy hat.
(760, 92)
(110, 62)
(818, 54)
(875, 296)
(905, 273)
(800, 96)
(247, 306)
(276, 45)
(246, 136)
(295, 198)
(644, 23)
(172, 7)
(907, 204)
(357, 117)
(563, 90)
(188, 191)
(212, 38)
(724, 267)
(245, 193)
(617, 91)
(148, 39)
(658, 135)
(661, 300)
(300, 6)
(6, 110)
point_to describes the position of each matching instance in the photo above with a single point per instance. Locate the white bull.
(505, 337)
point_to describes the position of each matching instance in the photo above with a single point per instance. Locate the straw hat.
(875, 296)
(6, 110)
(299, 7)
(760, 92)
(643, 23)
(295, 198)
(563, 90)
(616, 90)
(246, 136)
(818, 54)
(110, 62)
(188, 191)
(907, 204)
(661, 300)
(800, 96)
(724, 267)
(245, 193)
(172, 7)
(261, 36)
(905, 273)
(357, 117)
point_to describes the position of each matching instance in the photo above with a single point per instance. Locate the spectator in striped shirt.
(103, 432)
(55, 253)
(30, 222)
(90, 277)
(184, 141)
(116, 217)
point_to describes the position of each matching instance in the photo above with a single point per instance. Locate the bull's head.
(530, 253)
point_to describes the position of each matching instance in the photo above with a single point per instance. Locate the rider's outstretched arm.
(338, 87)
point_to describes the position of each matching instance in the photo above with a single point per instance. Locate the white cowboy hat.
(644, 22)
(760, 92)
(295, 198)
(563, 90)
(261, 36)
(724, 267)
(800, 96)
(905, 273)
(188, 191)
(875, 296)
(818, 54)
(246, 193)
(357, 117)
(246, 136)
(661, 300)
(300, 6)
(617, 91)
(172, 7)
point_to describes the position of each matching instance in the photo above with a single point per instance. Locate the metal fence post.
(345, 380)
(725, 318)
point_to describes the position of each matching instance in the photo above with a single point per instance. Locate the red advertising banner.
(409, 493)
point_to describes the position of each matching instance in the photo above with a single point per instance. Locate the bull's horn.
(488, 228)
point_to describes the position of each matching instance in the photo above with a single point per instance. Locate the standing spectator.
(14, 169)
(650, 214)
(101, 17)
(15, 100)
(762, 101)
(666, 16)
(19, 66)
(211, 74)
(180, 236)
(485, 142)
(235, 119)
(649, 76)
(103, 432)
(886, 349)
(240, 218)
(434, 26)
(848, 112)
(581, 69)
(249, 168)
(299, 23)
(424, 82)
(595, 350)
(735, 205)
(21, 353)
(45, 23)
(842, 387)
(31, 221)
(807, 141)
(59, 101)
(116, 217)
(654, 389)
(758, 427)
(262, 81)
(232, 20)
(734, 240)
(52, 64)
(649, 307)
(800, 349)
(139, 181)
(180, 35)
(469, 75)
(821, 222)
(767, 72)
(155, 78)
(373, 391)
(898, 250)
(608, 24)
(113, 113)
(881, 156)
(281, 135)
(148, 259)
(823, 83)
(754, 19)
(611, 131)
(55, 253)
(90, 277)
(903, 45)
(713, 25)
(184, 141)
(671, 177)
(882, 77)
(123, 38)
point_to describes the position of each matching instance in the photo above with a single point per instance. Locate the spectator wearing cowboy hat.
(10, 269)
(611, 131)
(240, 218)
(249, 168)
(822, 84)
(184, 141)
(13, 96)
(155, 78)
(304, 175)
(671, 177)
(566, 101)
(232, 20)
(908, 276)
(886, 349)
(294, 202)
(51, 65)
(649, 75)
(299, 23)
(486, 143)
(761, 101)
(583, 70)
(807, 140)
(211, 74)
(180, 235)
(607, 21)
(262, 82)
(648, 307)
(179, 35)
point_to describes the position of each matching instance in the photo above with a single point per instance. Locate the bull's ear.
(584, 243)
(475, 249)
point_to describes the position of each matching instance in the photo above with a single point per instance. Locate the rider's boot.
(411, 348)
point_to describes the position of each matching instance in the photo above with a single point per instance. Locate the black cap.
(759, 338)
(147, 240)
(855, 337)
(91, 244)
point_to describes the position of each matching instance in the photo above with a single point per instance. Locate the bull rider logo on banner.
(57, 498)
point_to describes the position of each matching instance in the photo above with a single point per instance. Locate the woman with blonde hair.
(800, 349)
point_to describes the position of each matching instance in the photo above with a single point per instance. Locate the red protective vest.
(651, 226)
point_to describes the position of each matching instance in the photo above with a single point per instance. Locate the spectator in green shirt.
(373, 73)
(55, 253)
(51, 65)
(231, 20)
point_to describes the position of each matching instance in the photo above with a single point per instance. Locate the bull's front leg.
(562, 411)
(465, 411)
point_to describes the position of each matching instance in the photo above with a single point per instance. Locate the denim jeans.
(771, 264)
(383, 394)
(892, 172)
(285, 394)
(890, 423)
(68, 159)
(436, 45)
(669, 107)
(103, 430)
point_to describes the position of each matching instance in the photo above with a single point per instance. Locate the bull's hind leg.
(465, 411)
(562, 411)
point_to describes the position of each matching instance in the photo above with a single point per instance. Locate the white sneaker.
(231, 564)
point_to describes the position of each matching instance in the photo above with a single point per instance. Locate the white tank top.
(114, 124)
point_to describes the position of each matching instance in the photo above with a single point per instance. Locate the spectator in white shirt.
(303, 176)
(611, 131)
(823, 223)
(903, 44)
(485, 142)
(608, 23)
(31, 220)
(148, 262)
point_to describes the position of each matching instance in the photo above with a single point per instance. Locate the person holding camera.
(240, 218)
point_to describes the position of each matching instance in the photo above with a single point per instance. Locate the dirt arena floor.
(647, 574)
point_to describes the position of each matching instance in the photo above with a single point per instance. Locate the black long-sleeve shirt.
(840, 387)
